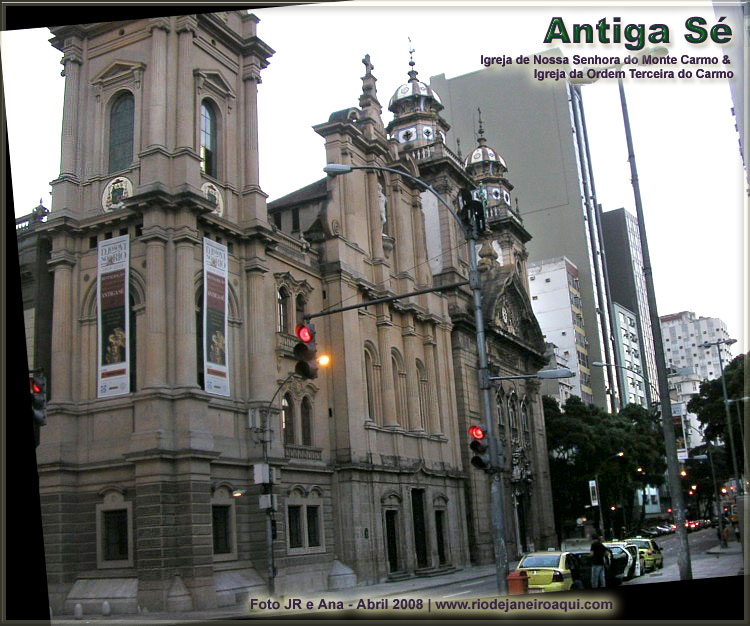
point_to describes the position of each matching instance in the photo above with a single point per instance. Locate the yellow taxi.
(548, 571)
(652, 556)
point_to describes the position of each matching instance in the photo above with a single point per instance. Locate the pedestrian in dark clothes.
(600, 555)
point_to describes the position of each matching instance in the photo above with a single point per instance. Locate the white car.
(634, 566)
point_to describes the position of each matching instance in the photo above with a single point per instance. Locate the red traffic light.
(303, 333)
(35, 388)
(476, 432)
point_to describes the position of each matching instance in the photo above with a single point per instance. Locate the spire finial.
(458, 149)
(480, 132)
(412, 72)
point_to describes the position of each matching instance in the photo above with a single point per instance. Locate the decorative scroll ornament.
(213, 195)
(115, 193)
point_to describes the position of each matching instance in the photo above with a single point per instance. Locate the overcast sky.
(686, 146)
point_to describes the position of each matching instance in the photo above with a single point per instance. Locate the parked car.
(623, 562)
(550, 571)
(665, 529)
(652, 556)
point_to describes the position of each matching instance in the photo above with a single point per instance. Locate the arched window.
(287, 419)
(209, 139)
(513, 416)
(306, 419)
(399, 386)
(121, 118)
(424, 399)
(370, 386)
(283, 310)
(500, 402)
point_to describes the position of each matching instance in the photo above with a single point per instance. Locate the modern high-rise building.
(628, 288)
(684, 334)
(540, 129)
(554, 286)
(632, 381)
(683, 385)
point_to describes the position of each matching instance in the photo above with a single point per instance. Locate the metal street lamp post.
(736, 402)
(497, 498)
(717, 343)
(678, 505)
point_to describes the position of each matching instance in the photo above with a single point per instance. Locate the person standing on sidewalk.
(600, 556)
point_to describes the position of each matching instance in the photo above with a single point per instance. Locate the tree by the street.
(708, 405)
(584, 442)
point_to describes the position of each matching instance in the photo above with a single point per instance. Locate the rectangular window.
(277, 219)
(294, 519)
(313, 533)
(115, 535)
(221, 528)
(295, 220)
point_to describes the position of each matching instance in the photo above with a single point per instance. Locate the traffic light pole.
(675, 486)
(497, 460)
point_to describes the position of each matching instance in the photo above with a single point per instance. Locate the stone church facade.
(149, 498)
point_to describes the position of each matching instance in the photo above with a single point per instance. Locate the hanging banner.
(113, 319)
(679, 431)
(594, 493)
(215, 368)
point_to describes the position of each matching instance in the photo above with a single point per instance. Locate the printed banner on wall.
(215, 362)
(113, 320)
(679, 431)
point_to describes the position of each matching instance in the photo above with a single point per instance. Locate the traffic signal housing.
(38, 388)
(480, 447)
(306, 352)
(472, 210)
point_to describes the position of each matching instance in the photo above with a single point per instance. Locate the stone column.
(412, 378)
(185, 331)
(62, 320)
(155, 375)
(157, 123)
(434, 421)
(260, 342)
(384, 347)
(186, 25)
(72, 63)
(251, 80)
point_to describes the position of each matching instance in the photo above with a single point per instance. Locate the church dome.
(414, 91)
(483, 154)
(484, 157)
(413, 88)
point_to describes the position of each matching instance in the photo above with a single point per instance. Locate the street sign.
(594, 493)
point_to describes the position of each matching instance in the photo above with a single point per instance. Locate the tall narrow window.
(513, 416)
(287, 419)
(121, 118)
(115, 535)
(424, 401)
(306, 419)
(499, 401)
(525, 423)
(208, 139)
(283, 310)
(369, 381)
